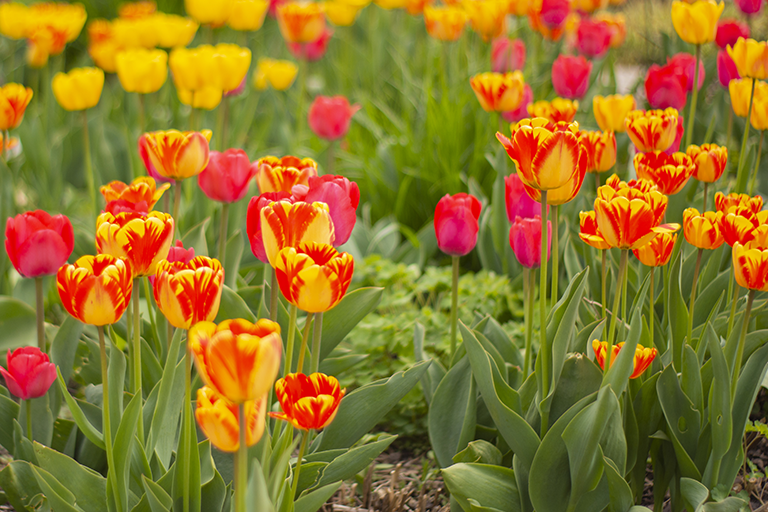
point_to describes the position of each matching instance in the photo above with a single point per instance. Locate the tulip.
(593, 38)
(141, 239)
(329, 117)
(554, 12)
(342, 197)
(740, 225)
(314, 50)
(142, 71)
(642, 360)
(38, 243)
(134, 10)
(759, 117)
(309, 402)
(749, 7)
(456, 223)
(507, 55)
(731, 202)
(285, 224)
(300, 22)
(567, 191)
(173, 30)
(702, 230)
(589, 232)
(30, 373)
(282, 174)
(669, 172)
(729, 31)
(174, 154)
(557, 110)
(570, 76)
(751, 58)
(13, 16)
(95, 289)
(445, 23)
(253, 221)
(652, 130)
(280, 74)
(709, 161)
(198, 71)
(516, 115)
(617, 24)
(391, 4)
(62, 21)
(600, 149)
(519, 8)
(14, 99)
(611, 111)
(525, 240)
(488, 17)
(227, 175)
(247, 15)
(740, 91)
(415, 7)
(219, 419)
(537, 24)
(588, 6)
(696, 23)
(79, 89)
(343, 13)
(11, 146)
(135, 33)
(518, 202)
(685, 63)
(726, 70)
(665, 87)
(498, 92)
(141, 195)
(209, 12)
(188, 293)
(750, 265)
(233, 62)
(658, 251)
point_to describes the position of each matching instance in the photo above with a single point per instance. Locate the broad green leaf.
(490, 486)
(683, 421)
(213, 493)
(116, 376)
(59, 496)
(619, 491)
(233, 306)
(479, 451)
(187, 455)
(163, 404)
(88, 486)
(65, 344)
(195, 237)
(19, 484)
(235, 246)
(17, 324)
(579, 378)
(720, 418)
(503, 343)
(257, 497)
(355, 460)
(690, 380)
(123, 448)
(561, 323)
(158, 499)
(313, 501)
(82, 422)
(677, 313)
(9, 410)
(339, 321)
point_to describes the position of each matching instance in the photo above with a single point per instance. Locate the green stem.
(317, 334)
(241, 463)
(137, 352)
(694, 97)
(696, 270)
(186, 426)
(300, 101)
(454, 305)
(331, 155)
(528, 285)
(273, 298)
(651, 310)
(192, 119)
(731, 318)
(604, 272)
(28, 407)
(743, 152)
(297, 471)
(615, 310)
(105, 419)
(555, 247)
(40, 313)
(304, 340)
(142, 122)
(150, 309)
(223, 233)
(742, 339)
(753, 181)
(706, 193)
(176, 207)
(89, 179)
(544, 350)
(729, 130)
(291, 339)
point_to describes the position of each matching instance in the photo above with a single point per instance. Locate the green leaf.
(339, 321)
(257, 497)
(17, 324)
(364, 407)
(453, 404)
(213, 493)
(9, 411)
(678, 312)
(561, 323)
(435, 373)
(490, 486)
(19, 483)
(479, 451)
(163, 405)
(195, 237)
(187, 455)
(503, 343)
(579, 378)
(88, 486)
(233, 306)
(313, 501)
(116, 376)
(59, 496)
(65, 344)
(123, 448)
(235, 246)
(82, 422)
(619, 492)
(683, 421)
(158, 499)
(355, 460)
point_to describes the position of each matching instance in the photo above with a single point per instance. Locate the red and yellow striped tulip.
(702, 230)
(669, 172)
(709, 161)
(301, 22)
(657, 252)
(652, 130)
(309, 402)
(558, 110)
(601, 150)
(188, 293)
(175, 155)
(567, 192)
(740, 224)
(728, 203)
(14, 99)
(142, 193)
(282, 174)
(498, 92)
(285, 224)
(219, 419)
(643, 356)
(589, 232)
(142, 239)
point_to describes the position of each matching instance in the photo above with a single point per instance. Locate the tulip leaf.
(340, 320)
(234, 254)
(720, 418)
(166, 436)
(82, 422)
(187, 455)
(495, 333)
(58, 495)
(709, 295)
(355, 460)
(257, 497)
(116, 376)
(9, 411)
(312, 501)
(561, 324)
(364, 407)
(500, 230)
(158, 499)
(65, 344)
(690, 380)
(580, 377)
(493, 486)
(195, 237)
(123, 448)
(486, 251)
(214, 492)
(233, 305)
(683, 421)
(89, 487)
(677, 313)
(479, 451)
(619, 492)
(19, 484)
(163, 403)
(17, 324)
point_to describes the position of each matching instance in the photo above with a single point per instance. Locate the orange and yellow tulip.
(658, 251)
(696, 22)
(669, 172)
(728, 203)
(142, 192)
(444, 23)
(709, 161)
(611, 111)
(136, 9)
(740, 225)
(14, 99)
(569, 190)
(237, 359)
(750, 265)
(750, 57)
(740, 90)
(142, 239)
(558, 110)
(188, 293)
(219, 419)
(589, 232)
(652, 130)
(314, 277)
(280, 74)
(63, 21)
(95, 289)
(309, 402)
(247, 14)
(281, 174)
(498, 92)
(702, 230)
(300, 22)
(519, 7)
(175, 155)
(601, 150)
(141, 70)
(284, 224)
(488, 17)
(643, 356)
(79, 89)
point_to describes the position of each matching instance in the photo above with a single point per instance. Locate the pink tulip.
(177, 253)
(726, 68)
(749, 6)
(685, 63)
(456, 223)
(312, 51)
(665, 86)
(38, 243)
(342, 197)
(227, 175)
(570, 76)
(554, 12)
(593, 38)
(521, 112)
(519, 204)
(507, 54)
(329, 117)
(729, 31)
(525, 240)
(253, 221)
(29, 373)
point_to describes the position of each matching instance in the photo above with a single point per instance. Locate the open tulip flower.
(38, 243)
(300, 22)
(173, 154)
(219, 419)
(279, 74)
(731, 202)
(141, 70)
(227, 175)
(600, 148)
(709, 161)
(329, 117)
(313, 277)
(751, 58)
(525, 240)
(644, 356)
(569, 190)
(282, 174)
(96, 289)
(558, 110)
(759, 117)
(342, 197)
(456, 223)
(142, 239)
(611, 111)
(80, 89)
(570, 76)
(285, 224)
(188, 293)
(740, 225)
(652, 130)
(593, 37)
(696, 22)
(247, 15)
(14, 99)
(507, 54)
(702, 230)
(445, 23)
(589, 232)
(669, 172)
(750, 265)
(498, 92)
(521, 112)
(488, 17)
(729, 31)
(658, 251)
(236, 358)
(140, 195)
(253, 221)
(309, 402)
(30, 373)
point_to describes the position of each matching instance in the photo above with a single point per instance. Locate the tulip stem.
(317, 334)
(273, 298)
(297, 471)
(555, 248)
(300, 100)
(729, 130)
(651, 304)
(137, 353)
(107, 428)
(291, 339)
(176, 207)
(141, 114)
(694, 97)
(528, 286)
(732, 317)
(185, 432)
(147, 294)
(604, 271)
(615, 310)
(706, 193)
(753, 181)
(544, 349)
(696, 270)
(223, 233)
(331, 155)
(454, 305)
(28, 407)
(304, 340)
(743, 152)
(241, 462)
(742, 340)
(89, 179)
(40, 313)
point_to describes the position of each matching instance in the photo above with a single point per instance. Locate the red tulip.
(312, 51)
(29, 373)
(749, 6)
(507, 55)
(253, 221)
(726, 69)
(570, 76)
(729, 31)
(38, 243)
(227, 175)
(686, 65)
(554, 12)
(521, 112)
(519, 203)
(329, 117)
(456, 223)
(342, 197)
(665, 86)
(525, 240)
(593, 38)
(177, 253)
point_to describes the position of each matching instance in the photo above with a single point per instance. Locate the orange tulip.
(589, 232)
(740, 224)
(750, 265)
(557, 110)
(588, 6)
(142, 193)
(95, 289)
(657, 252)
(601, 150)
(142, 239)
(219, 419)
(281, 174)
(300, 22)
(750, 57)
(237, 359)
(498, 92)
(188, 293)
(547, 155)
(538, 25)
(175, 155)
(444, 23)
(314, 277)
(709, 161)
(702, 230)
(288, 225)
(729, 203)
(14, 99)
(652, 130)
(488, 17)
(309, 402)
(133, 10)
(669, 172)
(643, 356)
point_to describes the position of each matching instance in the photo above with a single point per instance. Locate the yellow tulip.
(13, 17)
(136, 33)
(141, 70)
(247, 14)
(343, 13)
(611, 111)
(750, 57)
(79, 89)
(173, 30)
(487, 17)
(445, 23)
(696, 23)
(209, 12)
(391, 4)
(219, 419)
(759, 117)
(232, 62)
(207, 98)
(740, 91)
(280, 74)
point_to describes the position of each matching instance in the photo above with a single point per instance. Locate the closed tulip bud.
(282, 174)
(514, 116)
(488, 17)
(610, 111)
(285, 224)
(95, 290)
(749, 7)
(253, 221)
(14, 99)
(194, 69)
(141, 239)
(309, 402)
(104, 55)
(568, 191)
(593, 38)
(329, 117)
(140, 195)
(589, 231)
(456, 223)
(219, 419)
(38, 243)
(525, 241)
(209, 12)
(174, 31)
(554, 12)
(652, 130)
(751, 58)
(570, 76)
(658, 251)
(518, 202)
(233, 62)
(702, 230)
(13, 16)
(247, 14)
(343, 13)
(709, 161)
(696, 23)
(79, 89)
(642, 360)
(445, 23)
(731, 202)
(313, 277)
(617, 24)
(498, 92)
(507, 55)
(729, 31)
(726, 69)
(685, 66)
(750, 265)
(279, 74)
(665, 87)
(175, 155)
(669, 172)
(759, 117)
(342, 197)
(313, 50)
(300, 22)
(142, 71)
(255, 347)
(601, 150)
(30, 373)
(740, 91)
(227, 176)
(188, 293)
(135, 33)
(558, 110)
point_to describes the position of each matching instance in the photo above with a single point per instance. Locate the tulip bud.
(29, 373)
(329, 117)
(525, 240)
(456, 223)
